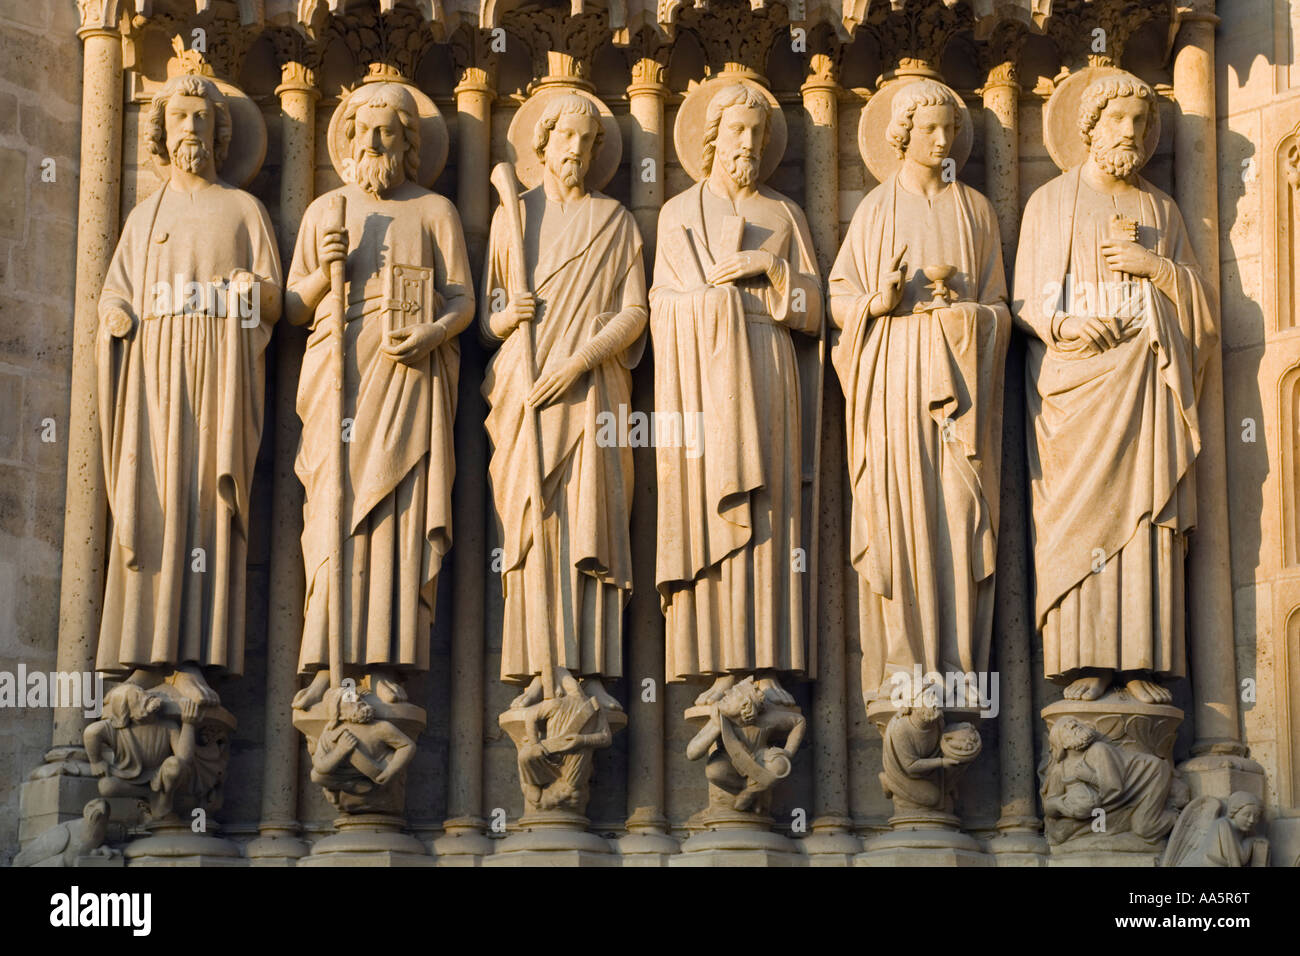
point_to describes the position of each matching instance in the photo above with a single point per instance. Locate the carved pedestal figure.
(1123, 328)
(1109, 789)
(1212, 832)
(381, 277)
(737, 324)
(186, 311)
(564, 292)
(919, 296)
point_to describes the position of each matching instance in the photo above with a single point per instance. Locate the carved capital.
(648, 71)
(736, 38)
(98, 16)
(1003, 74)
(1096, 34)
(919, 32)
(393, 43)
(475, 61)
(296, 76)
(562, 44)
(823, 73)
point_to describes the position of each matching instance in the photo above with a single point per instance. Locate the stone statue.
(923, 761)
(149, 745)
(919, 295)
(1212, 833)
(407, 294)
(186, 311)
(571, 316)
(1123, 323)
(736, 285)
(1088, 772)
(556, 751)
(740, 738)
(356, 754)
(65, 843)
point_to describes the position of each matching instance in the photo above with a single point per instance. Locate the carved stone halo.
(528, 166)
(433, 132)
(247, 136)
(1061, 118)
(692, 119)
(878, 153)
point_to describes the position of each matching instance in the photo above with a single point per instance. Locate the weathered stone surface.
(1228, 153)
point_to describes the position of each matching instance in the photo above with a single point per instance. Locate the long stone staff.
(503, 178)
(338, 462)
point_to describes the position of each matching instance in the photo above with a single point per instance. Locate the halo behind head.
(239, 138)
(523, 136)
(1062, 130)
(433, 142)
(693, 121)
(881, 151)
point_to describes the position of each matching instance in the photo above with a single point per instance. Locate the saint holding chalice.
(919, 295)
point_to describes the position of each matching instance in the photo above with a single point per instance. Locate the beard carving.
(374, 174)
(742, 167)
(571, 172)
(1118, 159)
(191, 155)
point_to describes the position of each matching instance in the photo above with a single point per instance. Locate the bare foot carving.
(596, 690)
(715, 692)
(774, 692)
(1148, 691)
(387, 688)
(313, 693)
(532, 694)
(189, 680)
(1088, 687)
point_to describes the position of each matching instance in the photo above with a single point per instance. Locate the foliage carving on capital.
(475, 61)
(98, 15)
(917, 32)
(564, 43)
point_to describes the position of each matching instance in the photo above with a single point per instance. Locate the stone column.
(646, 105)
(60, 787)
(1019, 828)
(831, 841)
(1219, 764)
(464, 842)
(647, 841)
(279, 843)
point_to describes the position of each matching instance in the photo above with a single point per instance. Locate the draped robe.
(585, 268)
(1115, 434)
(737, 518)
(400, 460)
(180, 405)
(923, 418)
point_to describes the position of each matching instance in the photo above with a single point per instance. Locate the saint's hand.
(892, 283)
(1130, 258)
(554, 384)
(119, 324)
(520, 309)
(740, 265)
(413, 343)
(1101, 331)
(331, 247)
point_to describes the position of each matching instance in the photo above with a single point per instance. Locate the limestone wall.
(40, 108)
